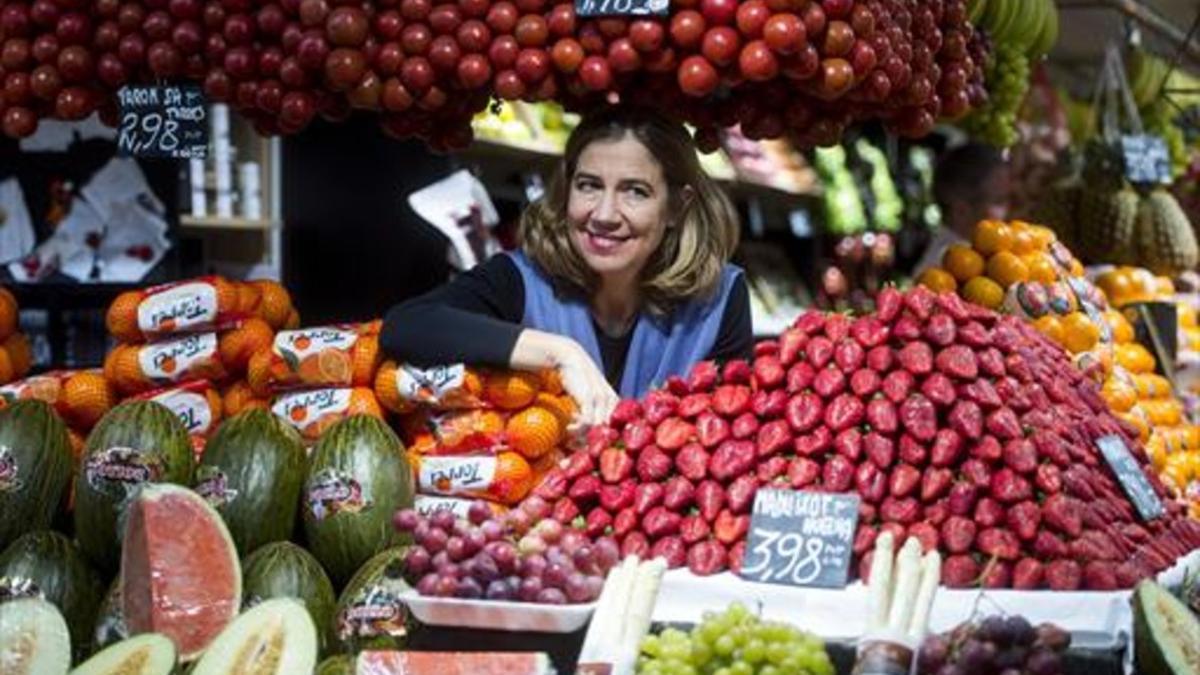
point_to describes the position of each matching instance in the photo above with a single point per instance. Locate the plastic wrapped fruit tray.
(499, 615)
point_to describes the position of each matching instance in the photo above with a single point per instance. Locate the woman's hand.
(581, 377)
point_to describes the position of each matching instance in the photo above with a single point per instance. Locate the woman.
(623, 277)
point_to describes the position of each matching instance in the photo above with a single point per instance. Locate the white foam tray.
(499, 615)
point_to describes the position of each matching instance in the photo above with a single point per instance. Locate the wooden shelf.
(215, 223)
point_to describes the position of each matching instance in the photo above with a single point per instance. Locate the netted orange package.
(191, 306)
(326, 356)
(197, 404)
(505, 478)
(135, 369)
(312, 411)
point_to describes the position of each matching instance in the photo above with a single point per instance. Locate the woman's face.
(617, 206)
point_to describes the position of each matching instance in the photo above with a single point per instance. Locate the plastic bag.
(197, 404)
(191, 306)
(135, 369)
(505, 478)
(313, 411)
(325, 356)
(404, 388)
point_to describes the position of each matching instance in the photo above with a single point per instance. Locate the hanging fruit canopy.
(807, 68)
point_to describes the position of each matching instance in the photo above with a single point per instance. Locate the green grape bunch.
(734, 642)
(1008, 85)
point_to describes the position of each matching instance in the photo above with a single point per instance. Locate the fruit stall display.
(804, 67)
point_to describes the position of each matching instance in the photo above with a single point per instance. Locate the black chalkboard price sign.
(1147, 159)
(163, 121)
(801, 538)
(621, 7)
(1131, 476)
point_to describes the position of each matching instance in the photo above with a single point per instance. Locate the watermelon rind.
(252, 472)
(145, 654)
(371, 613)
(110, 625)
(336, 665)
(276, 637)
(136, 443)
(358, 477)
(46, 564)
(138, 585)
(35, 468)
(282, 569)
(34, 639)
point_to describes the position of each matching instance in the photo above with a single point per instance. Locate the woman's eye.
(639, 192)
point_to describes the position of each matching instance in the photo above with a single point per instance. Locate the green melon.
(35, 468)
(137, 442)
(110, 625)
(358, 477)
(47, 565)
(252, 471)
(145, 654)
(34, 639)
(276, 637)
(336, 665)
(282, 569)
(1166, 635)
(371, 613)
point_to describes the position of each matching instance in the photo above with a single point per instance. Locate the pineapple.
(1166, 243)
(1107, 212)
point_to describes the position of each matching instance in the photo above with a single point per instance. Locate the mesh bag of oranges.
(198, 406)
(81, 397)
(312, 411)
(16, 357)
(209, 303)
(404, 388)
(237, 397)
(136, 369)
(505, 477)
(325, 356)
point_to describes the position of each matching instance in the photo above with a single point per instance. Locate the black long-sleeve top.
(476, 318)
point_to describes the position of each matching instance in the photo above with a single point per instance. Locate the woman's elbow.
(395, 336)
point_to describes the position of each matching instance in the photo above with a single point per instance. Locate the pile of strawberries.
(965, 429)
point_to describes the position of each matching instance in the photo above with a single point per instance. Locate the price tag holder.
(801, 538)
(1147, 159)
(587, 8)
(163, 121)
(1131, 476)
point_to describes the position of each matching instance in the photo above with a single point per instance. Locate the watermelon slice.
(145, 654)
(454, 663)
(276, 637)
(179, 569)
(33, 638)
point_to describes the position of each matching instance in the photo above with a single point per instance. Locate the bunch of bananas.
(1029, 25)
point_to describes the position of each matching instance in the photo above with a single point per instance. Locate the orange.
(1135, 358)
(293, 320)
(124, 371)
(962, 262)
(227, 295)
(87, 396)
(276, 304)
(563, 407)
(364, 360)
(1121, 329)
(9, 315)
(17, 346)
(371, 327)
(984, 292)
(1043, 235)
(1006, 269)
(551, 381)
(236, 398)
(7, 373)
(1079, 333)
(534, 432)
(510, 390)
(1163, 286)
(1024, 241)
(326, 367)
(249, 297)
(258, 373)
(1137, 418)
(992, 236)
(513, 479)
(1041, 268)
(1157, 452)
(1120, 396)
(387, 391)
(1050, 326)
(238, 345)
(122, 319)
(1117, 286)
(938, 280)
(362, 402)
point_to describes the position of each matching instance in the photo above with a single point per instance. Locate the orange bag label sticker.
(303, 408)
(298, 344)
(46, 388)
(455, 475)
(178, 308)
(190, 407)
(429, 386)
(427, 505)
(166, 360)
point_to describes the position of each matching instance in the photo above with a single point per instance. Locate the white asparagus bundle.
(904, 595)
(603, 636)
(931, 576)
(879, 589)
(639, 613)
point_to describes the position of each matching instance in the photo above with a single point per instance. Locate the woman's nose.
(606, 208)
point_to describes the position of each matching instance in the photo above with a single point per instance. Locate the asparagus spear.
(931, 576)
(880, 587)
(908, 567)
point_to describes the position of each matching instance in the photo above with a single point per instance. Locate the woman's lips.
(602, 243)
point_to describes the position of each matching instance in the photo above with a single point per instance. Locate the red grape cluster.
(804, 67)
(523, 556)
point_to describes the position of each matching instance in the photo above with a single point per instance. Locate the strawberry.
(926, 534)
(982, 392)
(819, 352)
(988, 512)
(1051, 446)
(1009, 487)
(899, 531)
(1007, 336)
(584, 489)
(881, 415)
(626, 411)
(553, 485)
(745, 426)
(737, 371)
(624, 522)
(705, 558)
(870, 482)
(829, 382)
(791, 344)
(660, 522)
(991, 362)
(670, 549)
(940, 330)
(1100, 576)
(946, 449)
(803, 472)
(959, 362)
(956, 307)
(848, 444)
(693, 528)
(865, 382)
(703, 377)
(904, 480)
(880, 450)
(1062, 513)
(904, 511)
(864, 538)
(1076, 483)
(996, 574)
(937, 512)
(1027, 575)
(999, 542)
(888, 303)
(636, 435)
(660, 405)
(960, 571)
(711, 430)
(958, 534)
(804, 411)
(768, 372)
(800, 377)
(978, 472)
(1018, 368)
(635, 543)
(771, 468)
(988, 449)
(678, 386)
(919, 417)
(962, 498)
(920, 301)
(837, 326)
(692, 405)
(967, 419)
(653, 465)
(710, 499)
(692, 462)
(1024, 519)
(907, 329)
(838, 474)
(1128, 574)
(740, 494)
(773, 437)
(939, 389)
(916, 358)
(973, 334)
(810, 322)
(565, 511)
(598, 521)
(879, 359)
(869, 331)
(729, 528)
(766, 348)
(844, 412)
(848, 355)
(731, 400)
(613, 498)
(1003, 424)
(731, 459)
(737, 555)
(678, 493)
(897, 385)
(1063, 575)
(615, 465)
(769, 405)
(815, 443)
(646, 496)
(935, 483)
(912, 451)
(1020, 455)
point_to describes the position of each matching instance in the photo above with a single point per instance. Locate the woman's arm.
(735, 339)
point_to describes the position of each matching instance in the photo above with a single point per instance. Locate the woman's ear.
(687, 194)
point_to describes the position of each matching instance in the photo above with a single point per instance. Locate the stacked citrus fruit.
(15, 354)
(81, 398)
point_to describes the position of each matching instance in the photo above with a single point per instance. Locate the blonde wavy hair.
(704, 231)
